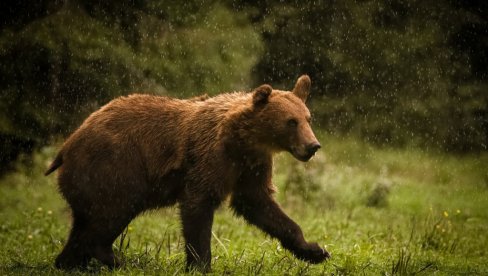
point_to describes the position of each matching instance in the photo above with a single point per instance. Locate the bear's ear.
(302, 87)
(261, 94)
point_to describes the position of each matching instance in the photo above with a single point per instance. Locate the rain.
(399, 105)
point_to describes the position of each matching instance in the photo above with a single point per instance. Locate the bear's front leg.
(253, 200)
(197, 222)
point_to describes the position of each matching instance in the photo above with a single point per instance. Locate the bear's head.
(282, 120)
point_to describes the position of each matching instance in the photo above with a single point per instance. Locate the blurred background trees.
(391, 72)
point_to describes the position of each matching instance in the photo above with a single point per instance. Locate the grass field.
(378, 211)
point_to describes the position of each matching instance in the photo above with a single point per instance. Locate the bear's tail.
(58, 161)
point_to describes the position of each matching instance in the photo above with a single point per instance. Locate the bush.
(67, 59)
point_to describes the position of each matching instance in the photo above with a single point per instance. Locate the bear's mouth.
(302, 157)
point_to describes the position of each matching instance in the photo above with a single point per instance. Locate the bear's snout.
(305, 152)
(313, 147)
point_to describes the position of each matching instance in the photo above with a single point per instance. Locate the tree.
(390, 71)
(65, 58)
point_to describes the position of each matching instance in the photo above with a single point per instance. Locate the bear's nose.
(313, 147)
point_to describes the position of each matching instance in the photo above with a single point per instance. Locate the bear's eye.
(292, 123)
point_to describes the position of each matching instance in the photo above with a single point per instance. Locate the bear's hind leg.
(101, 234)
(92, 239)
(106, 256)
(74, 254)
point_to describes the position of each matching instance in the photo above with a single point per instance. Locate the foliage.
(435, 220)
(392, 72)
(73, 56)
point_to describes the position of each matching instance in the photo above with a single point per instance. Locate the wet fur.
(143, 152)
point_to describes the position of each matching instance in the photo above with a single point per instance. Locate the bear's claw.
(312, 253)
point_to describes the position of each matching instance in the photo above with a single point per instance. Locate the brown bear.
(142, 152)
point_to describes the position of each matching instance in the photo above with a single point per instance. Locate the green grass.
(378, 211)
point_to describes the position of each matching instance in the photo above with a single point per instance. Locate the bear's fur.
(142, 152)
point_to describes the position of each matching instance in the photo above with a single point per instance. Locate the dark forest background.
(394, 73)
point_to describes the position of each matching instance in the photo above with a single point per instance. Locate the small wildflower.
(29, 237)
(458, 211)
(49, 212)
(39, 209)
(446, 214)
